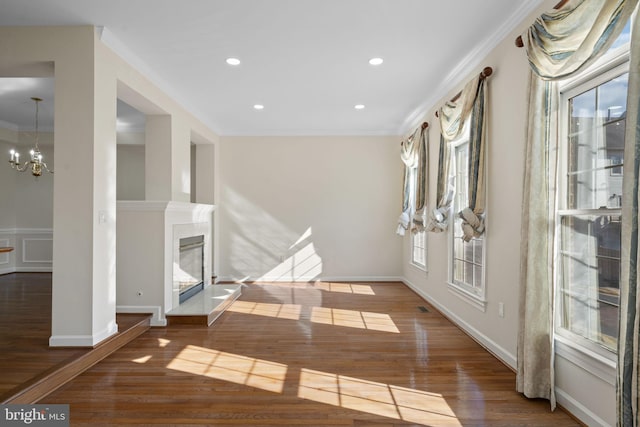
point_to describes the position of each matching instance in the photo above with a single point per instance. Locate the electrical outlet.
(501, 309)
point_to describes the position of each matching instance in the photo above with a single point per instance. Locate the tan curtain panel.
(627, 392)
(413, 153)
(558, 44)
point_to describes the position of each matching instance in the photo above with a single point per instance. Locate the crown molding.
(468, 64)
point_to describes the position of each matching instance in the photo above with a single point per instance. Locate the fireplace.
(190, 272)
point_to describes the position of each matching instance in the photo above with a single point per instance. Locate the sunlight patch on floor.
(234, 368)
(346, 288)
(143, 359)
(376, 398)
(281, 311)
(353, 319)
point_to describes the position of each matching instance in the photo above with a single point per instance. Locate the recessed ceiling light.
(359, 107)
(233, 61)
(376, 61)
(259, 107)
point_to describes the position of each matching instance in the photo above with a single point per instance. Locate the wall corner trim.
(157, 318)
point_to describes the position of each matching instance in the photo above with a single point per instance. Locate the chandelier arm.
(24, 167)
(46, 167)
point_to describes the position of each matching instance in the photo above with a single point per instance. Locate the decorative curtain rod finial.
(519, 42)
(486, 72)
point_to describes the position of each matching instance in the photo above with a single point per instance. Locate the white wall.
(34, 196)
(584, 393)
(7, 209)
(302, 208)
(131, 170)
(7, 189)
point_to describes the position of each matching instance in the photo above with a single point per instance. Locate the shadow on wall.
(261, 248)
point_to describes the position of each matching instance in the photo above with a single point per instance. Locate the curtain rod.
(486, 72)
(423, 126)
(520, 43)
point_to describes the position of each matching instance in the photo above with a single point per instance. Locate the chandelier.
(36, 156)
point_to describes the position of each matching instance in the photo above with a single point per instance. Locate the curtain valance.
(470, 106)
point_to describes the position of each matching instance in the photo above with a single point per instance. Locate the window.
(466, 266)
(419, 239)
(418, 249)
(589, 206)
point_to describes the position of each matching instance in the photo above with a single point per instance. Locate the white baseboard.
(578, 410)
(491, 346)
(7, 270)
(48, 269)
(156, 320)
(313, 279)
(360, 278)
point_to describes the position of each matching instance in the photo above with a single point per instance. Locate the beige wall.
(309, 207)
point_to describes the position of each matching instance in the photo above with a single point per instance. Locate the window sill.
(474, 300)
(592, 362)
(418, 266)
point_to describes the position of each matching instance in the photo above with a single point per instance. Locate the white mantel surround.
(147, 252)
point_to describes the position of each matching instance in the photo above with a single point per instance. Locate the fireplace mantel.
(147, 247)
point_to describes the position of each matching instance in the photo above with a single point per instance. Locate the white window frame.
(593, 356)
(419, 242)
(414, 244)
(474, 296)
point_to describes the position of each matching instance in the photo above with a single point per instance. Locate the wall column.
(167, 159)
(83, 300)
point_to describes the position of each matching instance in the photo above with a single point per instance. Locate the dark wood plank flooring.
(322, 354)
(28, 366)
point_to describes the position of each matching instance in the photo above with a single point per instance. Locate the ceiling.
(306, 61)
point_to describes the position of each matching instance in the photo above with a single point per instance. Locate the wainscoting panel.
(33, 250)
(37, 250)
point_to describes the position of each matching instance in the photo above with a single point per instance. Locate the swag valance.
(470, 107)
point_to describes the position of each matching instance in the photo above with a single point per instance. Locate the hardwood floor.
(324, 354)
(29, 368)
